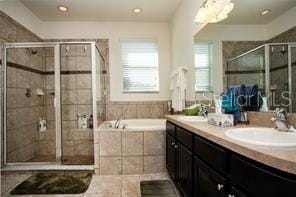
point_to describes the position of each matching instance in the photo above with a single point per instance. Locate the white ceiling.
(248, 11)
(103, 10)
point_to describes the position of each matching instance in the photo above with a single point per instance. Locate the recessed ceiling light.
(264, 12)
(63, 8)
(137, 10)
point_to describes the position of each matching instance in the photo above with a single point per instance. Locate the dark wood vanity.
(202, 168)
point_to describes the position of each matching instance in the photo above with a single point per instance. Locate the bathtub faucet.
(117, 123)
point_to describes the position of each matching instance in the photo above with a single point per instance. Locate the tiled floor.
(105, 186)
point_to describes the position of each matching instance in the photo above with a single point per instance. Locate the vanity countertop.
(281, 158)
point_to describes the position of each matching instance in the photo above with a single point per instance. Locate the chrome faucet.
(203, 111)
(117, 123)
(280, 120)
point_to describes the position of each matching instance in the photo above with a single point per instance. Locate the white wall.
(282, 23)
(183, 30)
(115, 31)
(22, 14)
(216, 33)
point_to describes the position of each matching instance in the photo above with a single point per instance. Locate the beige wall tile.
(68, 63)
(132, 143)
(68, 82)
(154, 164)
(154, 142)
(157, 111)
(132, 165)
(110, 143)
(110, 165)
(129, 111)
(84, 63)
(143, 111)
(84, 81)
(69, 97)
(84, 96)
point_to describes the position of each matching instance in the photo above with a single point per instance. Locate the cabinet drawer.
(212, 154)
(260, 180)
(185, 137)
(171, 129)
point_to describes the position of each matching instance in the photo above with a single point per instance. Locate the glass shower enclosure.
(49, 107)
(273, 67)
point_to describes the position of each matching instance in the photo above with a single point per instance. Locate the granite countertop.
(281, 158)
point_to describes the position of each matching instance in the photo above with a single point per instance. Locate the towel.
(254, 101)
(178, 88)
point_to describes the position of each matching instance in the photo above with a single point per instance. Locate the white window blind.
(203, 67)
(140, 66)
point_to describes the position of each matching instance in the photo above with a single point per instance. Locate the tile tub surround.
(281, 158)
(137, 109)
(123, 151)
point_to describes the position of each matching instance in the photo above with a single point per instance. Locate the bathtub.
(139, 124)
(140, 148)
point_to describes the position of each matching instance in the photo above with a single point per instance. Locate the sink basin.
(193, 118)
(263, 136)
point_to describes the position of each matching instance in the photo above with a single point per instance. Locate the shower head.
(32, 51)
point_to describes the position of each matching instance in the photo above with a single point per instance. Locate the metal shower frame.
(57, 100)
(266, 47)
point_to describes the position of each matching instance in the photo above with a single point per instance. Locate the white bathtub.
(140, 124)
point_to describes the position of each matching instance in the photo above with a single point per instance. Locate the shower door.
(32, 120)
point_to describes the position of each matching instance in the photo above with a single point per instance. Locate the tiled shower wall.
(76, 95)
(24, 72)
(11, 31)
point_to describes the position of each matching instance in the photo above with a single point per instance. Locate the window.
(203, 67)
(140, 66)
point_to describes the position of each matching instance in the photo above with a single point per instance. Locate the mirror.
(254, 45)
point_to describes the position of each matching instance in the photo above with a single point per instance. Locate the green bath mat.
(55, 183)
(157, 188)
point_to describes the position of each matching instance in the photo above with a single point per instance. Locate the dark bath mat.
(55, 183)
(157, 188)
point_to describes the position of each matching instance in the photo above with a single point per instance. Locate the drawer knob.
(220, 187)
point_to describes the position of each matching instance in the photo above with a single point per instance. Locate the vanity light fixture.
(137, 10)
(264, 12)
(213, 11)
(63, 8)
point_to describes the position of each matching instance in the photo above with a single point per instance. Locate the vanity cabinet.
(171, 155)
(184, 170)
(202, 168)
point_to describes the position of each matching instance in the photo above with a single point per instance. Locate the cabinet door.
(184, 165)
(171, 156)
(210, 184)
(237, 193)
(195, 177)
